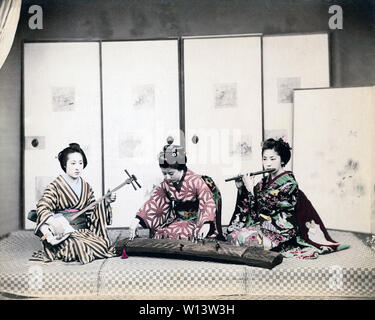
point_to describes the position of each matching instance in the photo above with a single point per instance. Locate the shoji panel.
(223, 109)
(140, 110)
(290, 61)
(61, 105)
(334, 139)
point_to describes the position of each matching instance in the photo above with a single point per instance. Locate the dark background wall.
(352, 49)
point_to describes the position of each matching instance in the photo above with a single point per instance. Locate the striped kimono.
(84, 245)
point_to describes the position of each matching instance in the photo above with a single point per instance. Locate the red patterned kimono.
(178, 211)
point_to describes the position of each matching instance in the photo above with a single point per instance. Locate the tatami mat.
(347, 273)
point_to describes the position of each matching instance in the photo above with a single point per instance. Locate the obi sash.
(187, 210)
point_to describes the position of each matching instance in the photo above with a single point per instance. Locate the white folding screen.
(290, 61)
(61, 105)
(223, 109)
(140, 110)
(334, 154)
(140, 107)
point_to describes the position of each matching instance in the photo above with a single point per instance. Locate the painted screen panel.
(61, 105)
(290, 61)
(140, 110)
(334, 154)
(223, 109)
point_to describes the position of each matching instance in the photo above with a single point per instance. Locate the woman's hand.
(133, 228)
(203, 231)
(111, 197)
(248, 182)
(239, 183)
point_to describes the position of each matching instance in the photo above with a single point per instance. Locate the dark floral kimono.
(266, 219)
(280, 218)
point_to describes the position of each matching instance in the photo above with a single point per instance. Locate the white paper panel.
(141, 109)
(223, 108)
(334, 154)
(62, 105)
(290, 61)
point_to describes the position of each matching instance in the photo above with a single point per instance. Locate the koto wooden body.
(218, 251)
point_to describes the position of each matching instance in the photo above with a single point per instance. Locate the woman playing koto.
(184, 206)
(70, 192)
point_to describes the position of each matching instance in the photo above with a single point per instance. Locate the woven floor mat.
(348, 273)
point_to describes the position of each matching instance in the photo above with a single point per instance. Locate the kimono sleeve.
(245, 211)
(287, 197)
(283, 208)
(155, 211)
(46, 206)
(207, 206)
(98, 217)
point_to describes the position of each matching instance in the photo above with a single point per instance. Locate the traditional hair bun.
(63, 155)
(173, 156)
(74, 146)
(284, 142)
